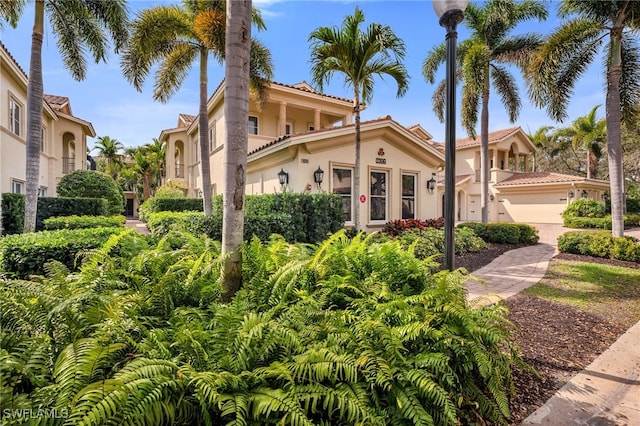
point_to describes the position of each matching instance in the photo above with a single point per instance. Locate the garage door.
(532, 208)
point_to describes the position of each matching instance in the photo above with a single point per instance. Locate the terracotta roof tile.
(56, 102)
(282, 138)
(187, 119)
(493, 136)
(530, 178)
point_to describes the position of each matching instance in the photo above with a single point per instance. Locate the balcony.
(179, 170)
(68, 165)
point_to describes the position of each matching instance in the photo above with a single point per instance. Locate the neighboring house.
(517, 192)
(300, 131)
(64, 136)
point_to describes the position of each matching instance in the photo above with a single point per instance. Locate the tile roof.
(56, 102)
(285, 137)
(493, 136)
(187, 119)
(459, 179)
(531, 178)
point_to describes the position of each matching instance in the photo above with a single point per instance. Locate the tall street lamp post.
(451, 13)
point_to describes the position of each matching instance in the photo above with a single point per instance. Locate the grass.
(612, 292)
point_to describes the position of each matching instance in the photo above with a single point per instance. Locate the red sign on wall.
(363, 198)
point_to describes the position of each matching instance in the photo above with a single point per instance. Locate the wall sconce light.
(317, 176)
(283, 177)
(585, 194)
(492, 197)
(571, 194)
(431, 184)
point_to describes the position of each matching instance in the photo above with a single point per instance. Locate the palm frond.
(504, 83)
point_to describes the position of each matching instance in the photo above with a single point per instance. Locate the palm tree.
(236, 110)
(360, 56)
(110, 150)
(149, 164)
(482, 64)
(589, 133)
(175, 38)
(567, 54)
(79, 26)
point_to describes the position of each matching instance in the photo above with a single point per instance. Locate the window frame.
(351, 195)
(413, 197)
(385, 197)
(15, 120)
(212, 137)
(15, 183)
(43, 141)
(253, 128)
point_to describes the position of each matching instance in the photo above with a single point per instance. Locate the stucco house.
(64, 136)
(517, 192)
(299, 132)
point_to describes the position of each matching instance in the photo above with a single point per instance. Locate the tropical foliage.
(111, 155)
(348, 332)
(592, 27)
(360, 56)
(175, 37)
(80, 27)
(483, 62)
(92, 184)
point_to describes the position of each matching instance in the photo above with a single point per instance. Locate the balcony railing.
(179, 170)
(68, 165)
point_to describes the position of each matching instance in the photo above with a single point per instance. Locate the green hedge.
(297, 217)
(26, 254)
(600, 244)
(63, 206)
(12, 213)
(504, 233)
(80, 222)
(430, 241)
(262, 226)
(599, 222)
(13, 210)
(156, 205)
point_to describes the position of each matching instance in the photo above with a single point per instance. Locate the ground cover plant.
(346, 332)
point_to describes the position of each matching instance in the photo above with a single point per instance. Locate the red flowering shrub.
(396, 228)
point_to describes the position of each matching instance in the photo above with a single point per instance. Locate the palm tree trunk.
(236, 110)
(614, 142)
(356, 169)
(146, 184)
(589, 165)
(203, 133)
(484, 152)
(34, 120)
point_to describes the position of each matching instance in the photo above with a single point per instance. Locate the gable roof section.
(323, 135)
(185, 120)
(495, 136)
(59, 103)
(542, 178)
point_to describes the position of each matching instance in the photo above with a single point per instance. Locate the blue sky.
(117, 110)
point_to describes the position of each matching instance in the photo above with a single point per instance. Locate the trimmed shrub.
(587, 222)
(584, 207)
(24, 255)
(600, 244)
(430, 241)
(92, 184)
(297, 217)
(504, 233)
(12, 213)
(79, 222)
(63, 206)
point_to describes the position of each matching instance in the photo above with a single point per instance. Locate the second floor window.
(43, 142)
(212, 137)
(253, 125)
(15, 116)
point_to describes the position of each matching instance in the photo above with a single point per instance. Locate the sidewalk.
(607, 392)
